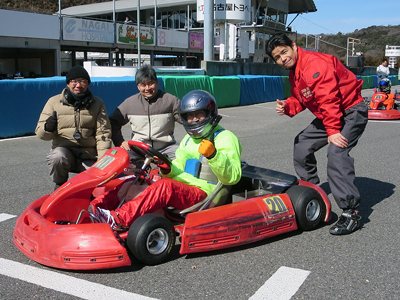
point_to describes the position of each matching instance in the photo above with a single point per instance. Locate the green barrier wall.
(181, 85)
(368, 82)
(226, 90)
(286, 87)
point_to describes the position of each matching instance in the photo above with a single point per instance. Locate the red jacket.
(322, 84)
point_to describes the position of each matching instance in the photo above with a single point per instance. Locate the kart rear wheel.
(151, 239)
(308, 206)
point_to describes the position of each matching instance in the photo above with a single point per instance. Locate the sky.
(345, 16)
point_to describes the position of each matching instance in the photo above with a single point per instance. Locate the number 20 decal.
(275, 205)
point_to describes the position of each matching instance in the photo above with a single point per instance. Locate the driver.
(207, 146)
(385, 87)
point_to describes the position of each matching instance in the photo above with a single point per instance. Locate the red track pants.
(162, 193)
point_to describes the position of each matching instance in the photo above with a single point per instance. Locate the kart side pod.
(238, 223)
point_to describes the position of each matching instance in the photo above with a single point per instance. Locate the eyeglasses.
(150, 84)
(80, 81)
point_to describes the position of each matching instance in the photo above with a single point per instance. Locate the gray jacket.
(152, 120)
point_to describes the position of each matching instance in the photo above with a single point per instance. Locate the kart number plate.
(104, 162)
(276, 205)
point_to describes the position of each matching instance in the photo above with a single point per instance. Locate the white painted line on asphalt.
(65, 284)
(282, 285)
(18, 138)
(4, 217)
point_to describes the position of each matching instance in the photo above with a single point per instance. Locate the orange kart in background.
(382, 105)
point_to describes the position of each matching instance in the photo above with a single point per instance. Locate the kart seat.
(219, 196)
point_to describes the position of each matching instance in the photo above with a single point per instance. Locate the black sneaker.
(348, 222)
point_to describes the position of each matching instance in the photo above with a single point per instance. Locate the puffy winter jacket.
(91, 122)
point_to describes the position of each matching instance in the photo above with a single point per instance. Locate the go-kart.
(383, 106)
(57, 230)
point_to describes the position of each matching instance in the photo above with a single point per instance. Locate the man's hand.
(207, 148)
(51, 123)
(125, 145)
(280, 107)
(338, 139)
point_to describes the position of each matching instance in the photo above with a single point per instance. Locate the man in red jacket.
(332, 93)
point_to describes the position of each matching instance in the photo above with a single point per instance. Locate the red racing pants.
(162, 193)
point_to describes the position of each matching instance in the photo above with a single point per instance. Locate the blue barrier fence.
(22, 100)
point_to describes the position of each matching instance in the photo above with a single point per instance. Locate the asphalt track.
(298, 265)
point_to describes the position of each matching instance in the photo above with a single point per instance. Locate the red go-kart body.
(382, 106)
(57, 230)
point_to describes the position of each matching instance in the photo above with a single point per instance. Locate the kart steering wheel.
(145, 151)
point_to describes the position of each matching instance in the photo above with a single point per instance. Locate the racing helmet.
(384, 86)
(195, 101)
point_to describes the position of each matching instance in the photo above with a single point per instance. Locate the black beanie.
(77, 72)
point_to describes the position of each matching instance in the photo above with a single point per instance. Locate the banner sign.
(128, 34)
(392, 52)
(87, 30)
(229, 10)
(196, 40)
(172, 38)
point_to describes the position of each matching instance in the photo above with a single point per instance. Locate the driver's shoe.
(348, 222)
(109, 217)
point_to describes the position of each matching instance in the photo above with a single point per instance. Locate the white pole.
(155, 22)
(115, 36)
(59, 19)
(208, 30)
(139, 39)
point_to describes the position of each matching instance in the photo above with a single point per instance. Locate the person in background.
(76, 122)
(389, 100)
(383, 70)
(151, 114)
(206, 143)
(332, 93)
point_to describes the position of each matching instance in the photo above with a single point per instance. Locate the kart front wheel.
(308, 206)
(151, 239)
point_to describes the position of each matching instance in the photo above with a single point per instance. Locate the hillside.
(43, 6)
(374, 39)
(373, 43)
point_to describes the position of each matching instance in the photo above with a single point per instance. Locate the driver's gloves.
(51, 123)
(207, 149)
